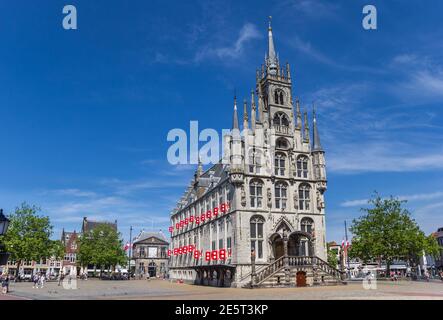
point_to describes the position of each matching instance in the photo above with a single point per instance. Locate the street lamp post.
(4, 224)
(130, 252)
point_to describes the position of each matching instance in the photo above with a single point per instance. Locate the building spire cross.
(271, 60)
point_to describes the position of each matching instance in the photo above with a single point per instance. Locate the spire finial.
(272, 58)
(235, 117)
(253, 111)
(297, 105)
(245, 115)
(315, 136)
(306, 135)
(199, 170)
(253, 99)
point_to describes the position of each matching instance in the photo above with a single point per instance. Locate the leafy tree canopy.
(28, 236)
(386, 231)
(332, 256)
(101, 246)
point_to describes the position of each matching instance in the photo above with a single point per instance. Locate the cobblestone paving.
(160, 289)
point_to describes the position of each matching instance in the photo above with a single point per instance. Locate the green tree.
(386, 232)
(332, 257)
(28, 236)
(102, 247)
(57, 250)
(85, 245)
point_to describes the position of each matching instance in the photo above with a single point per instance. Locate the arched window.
(256, 193)
(307, 225)
(257, 223)
(281, 195)
(278, 96)
(302, 167)
(304, 197)
(282, 143)
(279, 164)
(280, 119)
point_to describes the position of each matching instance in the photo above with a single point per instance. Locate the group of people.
(39, 280)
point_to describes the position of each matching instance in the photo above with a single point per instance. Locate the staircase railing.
(326, 267)
(269, 270)
(295, 261)
(248, 275)
(301, 260)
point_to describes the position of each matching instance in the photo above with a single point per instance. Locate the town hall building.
(257, 218)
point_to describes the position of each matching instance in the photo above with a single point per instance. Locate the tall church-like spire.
(253, 111)
(297, 104)
(235, 117)
(271, 59)
(245, 115)
(315, 136)
(306, 135)
(198, 172)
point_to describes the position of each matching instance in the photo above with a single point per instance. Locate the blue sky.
(84, 114)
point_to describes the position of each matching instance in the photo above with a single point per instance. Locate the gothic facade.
(251, 217)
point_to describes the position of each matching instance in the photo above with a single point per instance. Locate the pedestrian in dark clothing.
(5, 284)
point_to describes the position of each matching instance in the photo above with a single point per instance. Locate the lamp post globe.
(4, 223)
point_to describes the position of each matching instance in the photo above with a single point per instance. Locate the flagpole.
(346, 246)
(130, 251)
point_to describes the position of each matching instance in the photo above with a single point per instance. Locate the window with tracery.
(256, 193)
(279, 164)
(302, 167)
(304, 197)
(256, 235)
(281, 195)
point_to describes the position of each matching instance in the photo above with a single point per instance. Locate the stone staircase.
(283, 272)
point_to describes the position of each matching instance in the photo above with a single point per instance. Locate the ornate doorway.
(300, 244)
(301, 279)
(278, 248)
(152, 269)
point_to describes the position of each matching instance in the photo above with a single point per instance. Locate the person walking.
(35, 279)
(5, 284)
(42, 280)
(426, 275)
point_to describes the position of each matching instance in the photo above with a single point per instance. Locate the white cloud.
(355, 203)
(422, 77)
(247, 33)
(411, 197)
(308, 8)
(73, 192)
(383, 157)
(308, 50)
(128, 187)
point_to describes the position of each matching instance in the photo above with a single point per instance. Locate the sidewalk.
(11, 297)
